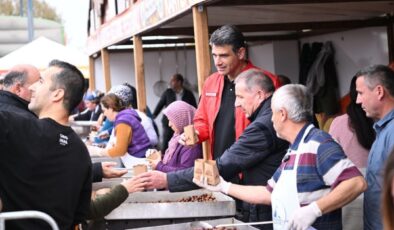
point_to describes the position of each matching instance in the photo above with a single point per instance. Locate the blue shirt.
(378, 154)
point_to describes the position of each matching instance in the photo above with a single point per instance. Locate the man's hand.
(223, 185)
(134, 185)
(110, 172)
(154, 179)
(304, 217)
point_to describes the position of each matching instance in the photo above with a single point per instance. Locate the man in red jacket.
(216, 118)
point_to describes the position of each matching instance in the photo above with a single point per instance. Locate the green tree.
(41, 9)
(6, 8)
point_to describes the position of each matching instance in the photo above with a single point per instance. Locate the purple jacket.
(139, 140)
(183, 158)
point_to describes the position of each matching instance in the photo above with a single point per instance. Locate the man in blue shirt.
(375, 88)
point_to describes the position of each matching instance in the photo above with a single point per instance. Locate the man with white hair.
(16, 95)
(315, 178)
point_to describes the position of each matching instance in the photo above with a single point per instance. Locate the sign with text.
(141, 16)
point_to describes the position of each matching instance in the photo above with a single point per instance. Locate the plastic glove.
(304, 217)
(223, 185)
(95, 151)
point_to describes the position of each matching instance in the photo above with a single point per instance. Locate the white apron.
(284, 197)
(128, 160)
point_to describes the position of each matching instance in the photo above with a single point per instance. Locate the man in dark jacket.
(93, 108)
(16, 95)
(174, 93)
(257, 153)
(51, 172)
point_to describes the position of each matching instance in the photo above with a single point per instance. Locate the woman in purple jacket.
(177, 156)
(131, 138)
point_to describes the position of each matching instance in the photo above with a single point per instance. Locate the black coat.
(257, 153)
(169, 96)
(13, 103)
(88, 115)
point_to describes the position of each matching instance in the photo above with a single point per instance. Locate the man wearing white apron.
(315, 178)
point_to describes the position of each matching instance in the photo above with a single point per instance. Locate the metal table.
(187, 225)
(143, 209)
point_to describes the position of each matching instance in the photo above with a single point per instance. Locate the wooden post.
(106, 69)
(92, 77)
(139, 73)
(203, 57)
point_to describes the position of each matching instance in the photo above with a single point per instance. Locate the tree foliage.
(41, 9)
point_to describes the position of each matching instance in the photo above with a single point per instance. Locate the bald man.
(16, 95)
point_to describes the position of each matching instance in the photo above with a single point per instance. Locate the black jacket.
(88, 115)
(169, 96)
(97, 172)
(257, 153)
(45, 166)
(13, 103)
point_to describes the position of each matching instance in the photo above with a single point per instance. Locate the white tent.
(40, 52)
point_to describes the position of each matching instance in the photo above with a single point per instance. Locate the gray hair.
(296, 100)
(13, 77)
(378, 74)
(256, 78)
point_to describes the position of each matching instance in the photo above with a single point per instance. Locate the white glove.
(95, 151)
(223, 185)
(304, 217)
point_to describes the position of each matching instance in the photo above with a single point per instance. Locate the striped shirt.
(321, 167)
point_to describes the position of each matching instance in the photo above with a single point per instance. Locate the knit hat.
(123, 92)
(180, 113)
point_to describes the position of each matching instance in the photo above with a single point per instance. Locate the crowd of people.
(271, 158)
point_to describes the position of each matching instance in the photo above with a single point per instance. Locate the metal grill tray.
(144, 205)
(187, 225)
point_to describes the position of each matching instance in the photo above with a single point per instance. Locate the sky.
(74, 14)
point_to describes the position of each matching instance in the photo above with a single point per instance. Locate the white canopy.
(40, 52)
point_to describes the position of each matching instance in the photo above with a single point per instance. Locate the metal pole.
(27, 215)
(30, 25)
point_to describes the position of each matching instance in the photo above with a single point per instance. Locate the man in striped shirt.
(315, 178)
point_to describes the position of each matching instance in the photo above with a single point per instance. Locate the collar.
(379, 125)
(15, 99)
(300, 134)
(263, 106)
